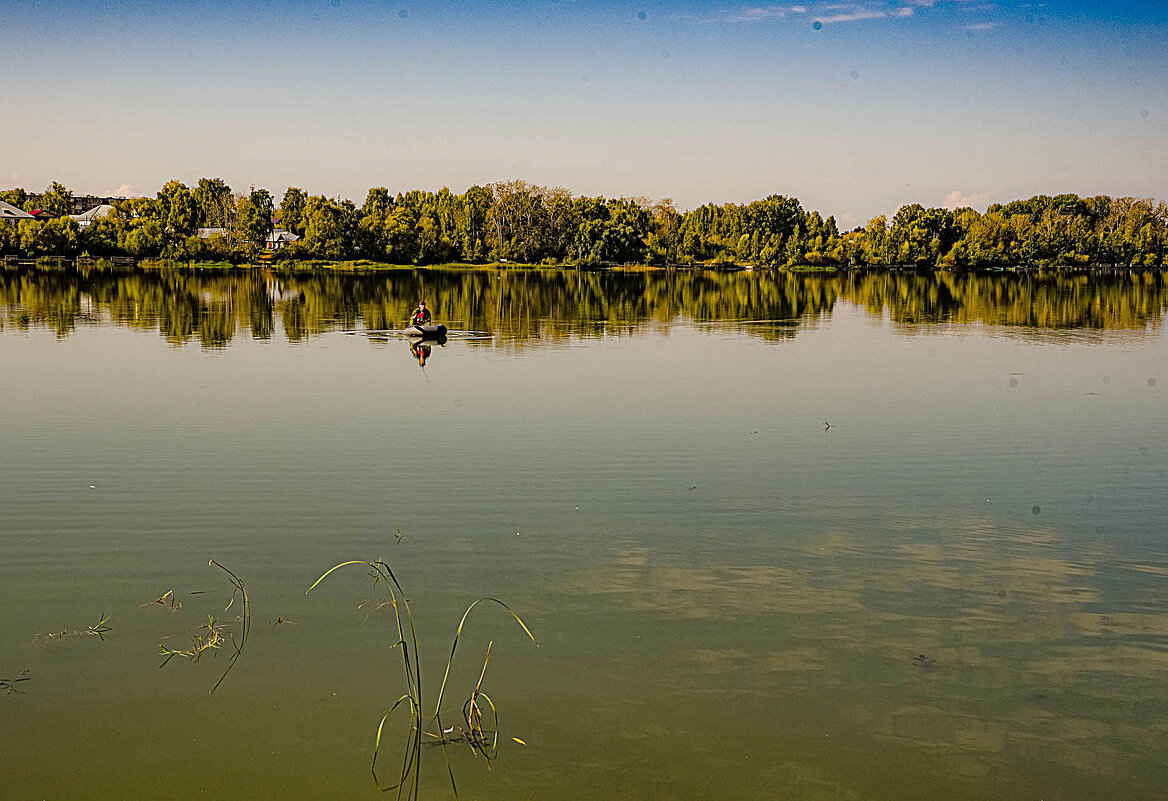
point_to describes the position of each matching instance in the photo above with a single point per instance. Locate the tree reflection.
(532, 305)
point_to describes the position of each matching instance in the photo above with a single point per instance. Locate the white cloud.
(833, 12)
(979, 26)
(125, 190)
(958, 200)
(758, 13)
(854, 12)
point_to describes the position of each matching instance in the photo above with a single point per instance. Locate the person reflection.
(421, 348)
(421, 351)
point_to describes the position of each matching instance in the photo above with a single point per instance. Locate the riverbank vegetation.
(517, 222)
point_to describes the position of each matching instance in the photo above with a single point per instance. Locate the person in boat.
(421, 314)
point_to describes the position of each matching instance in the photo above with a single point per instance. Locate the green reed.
(475, 735)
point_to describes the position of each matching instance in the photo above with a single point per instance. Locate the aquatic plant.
(98, 629)
(9, 685)
(480, 739)
(167, 599)
(214, 633)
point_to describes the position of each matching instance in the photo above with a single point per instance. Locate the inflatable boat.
(433, 331)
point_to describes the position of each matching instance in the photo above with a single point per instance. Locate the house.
(278, 238)
(207, 233)
(86, 218)
(10, 212)
(41, 214)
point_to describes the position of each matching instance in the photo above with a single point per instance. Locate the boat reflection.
(422, 348)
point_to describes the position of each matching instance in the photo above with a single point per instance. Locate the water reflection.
(423, 348)
(521, 306)
(969, 641)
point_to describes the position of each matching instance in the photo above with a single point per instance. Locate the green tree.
(56, 200)
(16, 197)
(178, 210)
(292, 210)
(215, 204)
(255, 217)
(377, 201)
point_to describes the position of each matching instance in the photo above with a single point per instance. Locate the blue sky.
(854, 107)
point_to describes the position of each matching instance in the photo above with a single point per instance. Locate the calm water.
(959, 590)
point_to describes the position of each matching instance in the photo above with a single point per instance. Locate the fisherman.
(421, 314)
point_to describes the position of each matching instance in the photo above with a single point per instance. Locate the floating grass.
(167, 599)
(207, 637)
(212, 635)
(100, 629)
(479, 711)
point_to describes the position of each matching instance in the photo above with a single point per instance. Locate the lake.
(860, 536)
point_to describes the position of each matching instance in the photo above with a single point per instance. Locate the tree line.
(514, 221)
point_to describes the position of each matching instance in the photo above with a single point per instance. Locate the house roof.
(10, 212)
(91, 215)
(280, 235)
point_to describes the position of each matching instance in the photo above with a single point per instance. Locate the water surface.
(957, 590)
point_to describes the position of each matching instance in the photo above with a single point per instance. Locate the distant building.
(86, 218)
(79, 203)
(278, 238)
(10, 212)
(207, 233)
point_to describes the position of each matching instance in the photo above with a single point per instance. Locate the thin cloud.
(825, 13)
(857, 13)
(959, 200)
(749, 14)
(125, 190)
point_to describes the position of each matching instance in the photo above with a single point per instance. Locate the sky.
(855, 108)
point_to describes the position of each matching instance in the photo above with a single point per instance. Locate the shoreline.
(125, 264)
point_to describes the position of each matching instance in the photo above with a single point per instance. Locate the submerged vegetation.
(482, 741)
(514, 221)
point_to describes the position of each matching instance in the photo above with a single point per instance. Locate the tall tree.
(255, 217)
(56, 200)
(292, 210)
(178, 210)
(215, 204)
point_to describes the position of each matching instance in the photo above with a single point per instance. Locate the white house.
(10, 212)
(278, 238)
